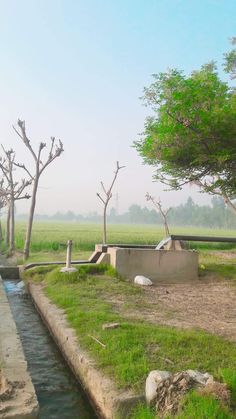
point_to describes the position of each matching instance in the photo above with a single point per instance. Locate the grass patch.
(194, 406)
(207, 407)
(229, 377)
(127, 357)
(38, 273)
(218, 263)
(141, 411)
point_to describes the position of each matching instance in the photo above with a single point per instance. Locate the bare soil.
(208, 304)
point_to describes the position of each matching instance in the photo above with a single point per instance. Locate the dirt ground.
(208, 304)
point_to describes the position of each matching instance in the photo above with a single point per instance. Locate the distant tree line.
(216, 215)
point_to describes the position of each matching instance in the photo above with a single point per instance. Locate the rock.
(110, 326)
(152, 381)
(199, 377)
(21, 285)
(166, 390)
(142, 280)
(6, 389)
(68, 270)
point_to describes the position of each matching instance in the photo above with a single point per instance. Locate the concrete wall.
(161, 266)
(9, 272)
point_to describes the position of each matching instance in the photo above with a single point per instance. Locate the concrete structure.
(68, 267)
(161, 266)
(18, 399)
(9, 272)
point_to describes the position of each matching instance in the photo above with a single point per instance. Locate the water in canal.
(58, 392)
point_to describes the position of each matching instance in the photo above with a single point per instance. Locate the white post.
(68, 267)
(68, 254)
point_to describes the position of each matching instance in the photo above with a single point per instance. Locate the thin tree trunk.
(1, 235)
(105, 225)
(12, 227)
(31, 218)
(229, 204)
(166, 228)
(7, 233)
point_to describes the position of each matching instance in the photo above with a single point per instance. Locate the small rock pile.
(165, 390)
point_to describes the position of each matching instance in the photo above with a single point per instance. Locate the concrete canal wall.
(17, 394)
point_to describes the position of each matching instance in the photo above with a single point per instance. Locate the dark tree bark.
(7, 232)
(12, 192)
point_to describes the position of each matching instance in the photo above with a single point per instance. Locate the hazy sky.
(76, 69)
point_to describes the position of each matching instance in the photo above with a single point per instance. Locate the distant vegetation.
(216, 215)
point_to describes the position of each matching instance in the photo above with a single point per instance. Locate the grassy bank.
(136, 347)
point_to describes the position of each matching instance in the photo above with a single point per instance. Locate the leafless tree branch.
(106, 198)
(164, 213)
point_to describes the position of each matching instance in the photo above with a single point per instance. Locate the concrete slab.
(161, 266)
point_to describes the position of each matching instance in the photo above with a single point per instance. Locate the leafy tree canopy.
(230, 61)
(191, 136)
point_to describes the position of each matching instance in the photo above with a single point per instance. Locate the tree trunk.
(105, 225)
(1, 235)
(7, 233)
(12, 227)
(229, 204)
(167, 231)
(31, 218)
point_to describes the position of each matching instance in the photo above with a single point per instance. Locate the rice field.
(50, 237)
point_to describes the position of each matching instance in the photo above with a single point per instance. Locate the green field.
(49, 238)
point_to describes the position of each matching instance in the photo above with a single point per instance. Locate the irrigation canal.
(58, 392)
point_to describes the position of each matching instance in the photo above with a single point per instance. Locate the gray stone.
(142, 280)
(68, 270)
(154, 378)
(21, 285)
(199, 377)
(166, 390)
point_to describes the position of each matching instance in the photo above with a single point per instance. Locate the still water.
(59, 394)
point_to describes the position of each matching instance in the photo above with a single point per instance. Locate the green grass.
(198, 407)
(49, 239)
(136, 347)
(217, 263)
(194, 406)
(229, 377)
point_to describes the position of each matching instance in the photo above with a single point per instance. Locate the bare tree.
(105, 198)
(3, 204)
(54, 152)
(164, 213)
(13, 191)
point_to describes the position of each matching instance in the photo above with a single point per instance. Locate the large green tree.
(230, 60)
(191, 136)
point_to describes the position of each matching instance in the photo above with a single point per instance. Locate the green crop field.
(49, 238)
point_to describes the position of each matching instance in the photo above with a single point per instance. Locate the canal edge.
(22, 401)
(108, 401)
